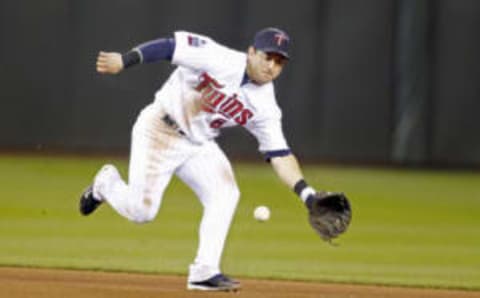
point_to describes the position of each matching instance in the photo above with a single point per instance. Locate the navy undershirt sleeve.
(156, 50)
(277, 153)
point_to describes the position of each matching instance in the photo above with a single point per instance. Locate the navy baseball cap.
(272, 40)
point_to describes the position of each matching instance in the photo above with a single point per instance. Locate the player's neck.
(246, 79)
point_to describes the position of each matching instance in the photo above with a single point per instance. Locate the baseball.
(261, 213)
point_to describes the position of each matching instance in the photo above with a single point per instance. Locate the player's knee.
(142, 216)
(143, 212)
(236, 194)
(233, 195)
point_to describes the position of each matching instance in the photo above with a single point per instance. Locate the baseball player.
(212, 87)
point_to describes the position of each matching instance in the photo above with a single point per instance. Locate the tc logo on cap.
(272, 40)
(280, 37)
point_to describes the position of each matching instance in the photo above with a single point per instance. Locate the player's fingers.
(105, 62)
(102, 58)
(101, 65)
(102, 70)
(106, 69)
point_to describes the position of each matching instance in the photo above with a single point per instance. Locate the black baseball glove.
(329, 214)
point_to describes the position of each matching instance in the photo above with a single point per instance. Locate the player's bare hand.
(109, 63)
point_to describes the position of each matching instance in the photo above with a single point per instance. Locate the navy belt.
(173, 124)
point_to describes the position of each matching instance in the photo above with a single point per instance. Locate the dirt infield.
(39, 283)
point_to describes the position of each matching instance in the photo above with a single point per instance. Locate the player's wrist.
(131, 58)
(303, 190)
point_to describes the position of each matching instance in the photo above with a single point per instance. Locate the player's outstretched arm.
(287, 169)
(109, 62)
(329, 213)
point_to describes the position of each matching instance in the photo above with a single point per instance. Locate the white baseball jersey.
(205, 93)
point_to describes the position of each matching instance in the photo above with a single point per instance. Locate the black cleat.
(88, 203)
(218, 282)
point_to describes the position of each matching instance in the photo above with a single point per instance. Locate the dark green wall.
(340, 93)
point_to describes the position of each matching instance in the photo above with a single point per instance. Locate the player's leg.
(140, 199)
(211, 177)
(153, 158)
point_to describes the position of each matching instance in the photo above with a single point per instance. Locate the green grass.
(410, 227)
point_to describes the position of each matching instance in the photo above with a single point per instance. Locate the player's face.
(264, 67)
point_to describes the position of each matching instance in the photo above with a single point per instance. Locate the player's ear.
(251, 50)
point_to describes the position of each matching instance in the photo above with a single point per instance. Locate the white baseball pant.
(158, 152)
